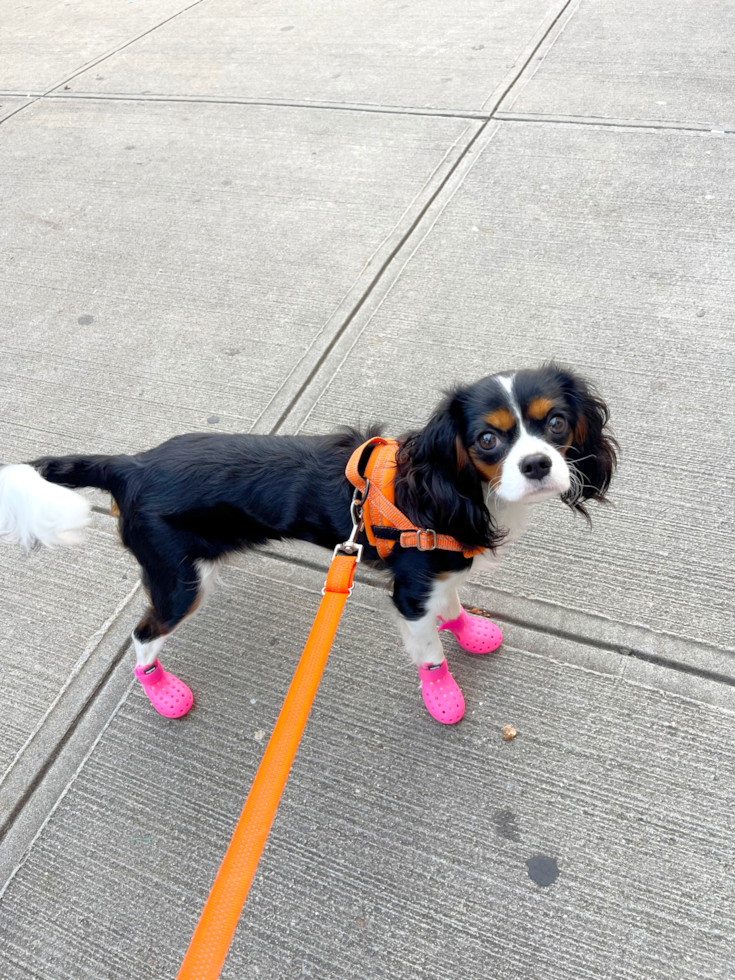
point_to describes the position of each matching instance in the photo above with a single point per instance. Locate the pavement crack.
(409, 233)
(374, 283)
(582, 639)
(597, 121)
(12, 814)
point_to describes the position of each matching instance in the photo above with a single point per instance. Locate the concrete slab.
(10, 105)
(400, 847)
(435, 55)
(44, 41)
(611, 251)
(180, 269)
(627, 60)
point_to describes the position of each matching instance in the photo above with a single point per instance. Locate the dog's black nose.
(535, 467)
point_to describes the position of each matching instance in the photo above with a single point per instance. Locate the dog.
(490, 451)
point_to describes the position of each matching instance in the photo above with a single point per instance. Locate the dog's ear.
(593, 452)
(441, 442)
(437, 486)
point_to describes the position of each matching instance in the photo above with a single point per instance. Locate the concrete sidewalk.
(250, 217)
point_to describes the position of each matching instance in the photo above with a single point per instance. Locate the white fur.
(514, 486)
(507, 382)
(420, 636)
(146, 653)
(209, 576)
(32, 510)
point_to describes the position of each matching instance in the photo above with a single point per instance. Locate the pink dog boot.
(168, 695)
(473, 633)
(442, 696)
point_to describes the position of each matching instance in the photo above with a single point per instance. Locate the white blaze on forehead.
(506, 381)
(514, 486)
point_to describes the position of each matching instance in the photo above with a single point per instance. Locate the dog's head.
(528, 435)
(537, 434)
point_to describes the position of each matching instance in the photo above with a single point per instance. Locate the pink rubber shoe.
(168, 695)
(442, 696)
(473, 633)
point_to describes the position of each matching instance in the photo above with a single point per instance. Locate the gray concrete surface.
(387, 54)
(10, 105)
(661, 62)
(184, 261)
(45, 43)
(51, 613)
(172, 262)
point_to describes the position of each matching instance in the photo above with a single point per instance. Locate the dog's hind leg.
(175, 595)
(175, 592)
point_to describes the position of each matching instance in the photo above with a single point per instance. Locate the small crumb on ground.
(259, 735)
(509, 733)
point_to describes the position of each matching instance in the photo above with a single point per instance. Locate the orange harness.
(385, 525)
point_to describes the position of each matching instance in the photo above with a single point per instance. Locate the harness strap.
(385, 524)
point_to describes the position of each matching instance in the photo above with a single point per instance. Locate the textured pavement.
(244, 217)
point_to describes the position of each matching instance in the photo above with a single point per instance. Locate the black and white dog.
(489, 451)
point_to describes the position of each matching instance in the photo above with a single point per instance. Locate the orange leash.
(207, 951)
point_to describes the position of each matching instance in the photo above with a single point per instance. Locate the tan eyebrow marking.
(501, 419)
(539, 408)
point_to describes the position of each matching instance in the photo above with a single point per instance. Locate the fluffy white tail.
(32, 510)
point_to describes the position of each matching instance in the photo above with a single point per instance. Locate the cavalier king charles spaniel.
(490, 450)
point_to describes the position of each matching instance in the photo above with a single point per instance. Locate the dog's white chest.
(511, 518)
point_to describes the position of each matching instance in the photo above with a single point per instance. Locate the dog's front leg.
(419, 598)
(419, 608)
(421, 639)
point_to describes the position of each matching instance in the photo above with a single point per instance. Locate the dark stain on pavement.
(542, 870)
(84, 321)
(506, 825)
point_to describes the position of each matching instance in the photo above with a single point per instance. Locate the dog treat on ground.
(509, 733)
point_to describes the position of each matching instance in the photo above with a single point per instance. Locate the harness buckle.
(425, 530)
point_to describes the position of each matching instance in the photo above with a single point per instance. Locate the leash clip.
(350, 547)
(358, 501)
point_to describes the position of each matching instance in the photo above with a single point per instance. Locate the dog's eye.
(558, 425)
(488, 440)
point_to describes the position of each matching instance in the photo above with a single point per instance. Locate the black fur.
(594, 449)
(437, 486)
(202, 495)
